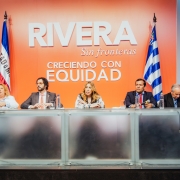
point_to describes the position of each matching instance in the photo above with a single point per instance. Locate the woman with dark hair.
(89, 98)
(7, 101)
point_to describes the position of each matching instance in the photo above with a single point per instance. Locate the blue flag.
(152, 73)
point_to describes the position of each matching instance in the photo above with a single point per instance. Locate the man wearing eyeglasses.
(41, 99)
(172, 99)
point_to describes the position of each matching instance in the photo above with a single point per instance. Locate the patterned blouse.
(80, 103)
(10, 103)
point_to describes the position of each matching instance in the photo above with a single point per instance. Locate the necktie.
(140, 100)
(42, 101)
(175, 104)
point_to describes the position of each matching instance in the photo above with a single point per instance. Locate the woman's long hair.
(6, 90)
(94, 95)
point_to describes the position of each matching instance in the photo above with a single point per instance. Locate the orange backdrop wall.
(28, 63)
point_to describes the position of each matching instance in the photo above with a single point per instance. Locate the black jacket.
(168, 101)
(130, 98)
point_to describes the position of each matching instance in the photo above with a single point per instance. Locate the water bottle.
(58, 103)
(161, 101)
(137, 101)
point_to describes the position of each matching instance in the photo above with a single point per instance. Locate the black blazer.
(168, 101)
(34, 98)
(130, 98)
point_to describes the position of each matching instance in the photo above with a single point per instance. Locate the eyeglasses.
(39, 83)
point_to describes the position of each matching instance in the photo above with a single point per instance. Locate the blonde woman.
(89, 98)
(7, 101)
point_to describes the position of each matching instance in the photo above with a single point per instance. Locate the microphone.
(145, 102)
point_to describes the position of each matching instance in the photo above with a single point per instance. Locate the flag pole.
(5, 16)
(154, 19)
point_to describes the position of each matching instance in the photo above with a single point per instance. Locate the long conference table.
(65, 138)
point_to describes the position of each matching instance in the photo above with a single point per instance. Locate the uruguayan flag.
(4, 57)
(152, 73)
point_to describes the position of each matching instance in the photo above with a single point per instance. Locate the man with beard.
(41, 99)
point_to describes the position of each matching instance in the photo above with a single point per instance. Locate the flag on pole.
(152, 73)
(4, 56)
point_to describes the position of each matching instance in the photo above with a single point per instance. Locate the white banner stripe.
(157, 73)
(155, 45)
(151, 61)
(157, 89)
(4, 52)
(156, 59)
(148, 63)
(153, 76)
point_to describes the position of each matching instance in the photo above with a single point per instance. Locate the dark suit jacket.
(168, 101)
(130, 98)
(34, 98)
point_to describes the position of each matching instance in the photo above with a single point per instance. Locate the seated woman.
(89, 98)
(7, 101)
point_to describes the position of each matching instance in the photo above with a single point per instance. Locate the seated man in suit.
(172, 99)
(142, 94)
(41, 99)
